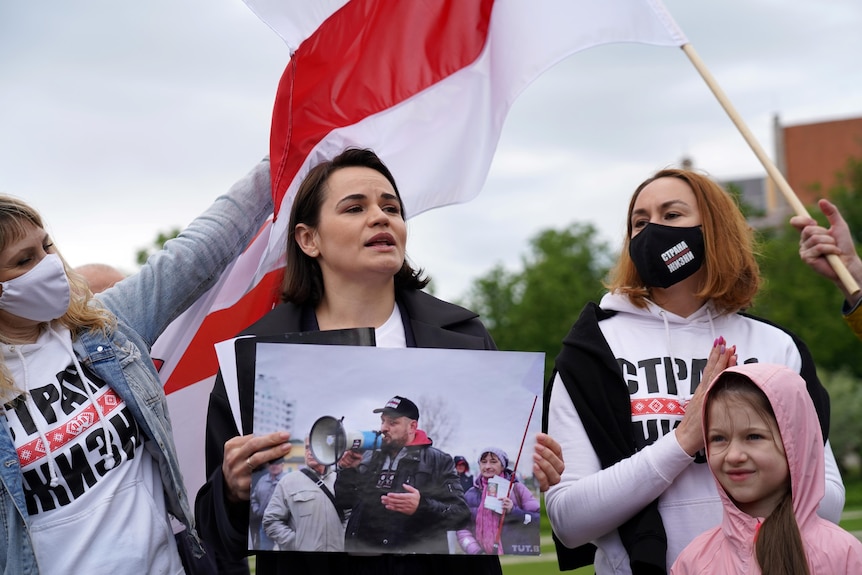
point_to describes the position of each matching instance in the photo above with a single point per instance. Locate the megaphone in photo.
(328, 440)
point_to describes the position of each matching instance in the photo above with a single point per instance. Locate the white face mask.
(41, 294)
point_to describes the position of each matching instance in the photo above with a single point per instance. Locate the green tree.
(533, 309)
(143, 254)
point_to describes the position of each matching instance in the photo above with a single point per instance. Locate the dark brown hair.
(303, 280)
(732, 273)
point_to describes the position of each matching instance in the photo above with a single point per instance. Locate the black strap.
(319, 481)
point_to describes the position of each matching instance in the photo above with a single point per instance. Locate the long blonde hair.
(84, 312)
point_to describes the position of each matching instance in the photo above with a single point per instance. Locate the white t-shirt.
(96, 519)
(391, 333)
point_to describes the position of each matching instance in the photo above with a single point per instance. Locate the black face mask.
(665, 255)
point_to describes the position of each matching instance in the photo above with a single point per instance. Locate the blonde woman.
(90, 471)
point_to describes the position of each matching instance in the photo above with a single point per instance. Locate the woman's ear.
(306, 238)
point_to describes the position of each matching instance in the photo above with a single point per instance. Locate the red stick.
(498, 538)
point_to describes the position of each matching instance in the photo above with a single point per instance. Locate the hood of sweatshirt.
(803, 446)
(421, 438)
(622, 304)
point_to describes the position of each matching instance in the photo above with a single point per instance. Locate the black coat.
(373, 528)
(432, 323)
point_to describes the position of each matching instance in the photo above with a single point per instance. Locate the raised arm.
(190, 264)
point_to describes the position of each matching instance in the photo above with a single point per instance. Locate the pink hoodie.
(729, 548)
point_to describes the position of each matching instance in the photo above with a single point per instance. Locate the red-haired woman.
(624, 401)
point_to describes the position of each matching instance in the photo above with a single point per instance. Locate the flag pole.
(771, 169)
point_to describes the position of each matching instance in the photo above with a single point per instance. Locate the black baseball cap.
(399, 406)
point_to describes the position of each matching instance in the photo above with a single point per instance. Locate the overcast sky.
(119, 120)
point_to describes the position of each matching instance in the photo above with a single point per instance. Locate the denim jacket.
(144, 304)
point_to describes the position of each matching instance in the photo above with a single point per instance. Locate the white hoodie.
(86, 506)
(661, 357)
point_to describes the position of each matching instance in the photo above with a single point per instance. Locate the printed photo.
(396, 450)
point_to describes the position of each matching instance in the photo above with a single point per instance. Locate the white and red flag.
(427, 86)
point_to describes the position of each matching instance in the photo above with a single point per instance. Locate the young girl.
(765, 451)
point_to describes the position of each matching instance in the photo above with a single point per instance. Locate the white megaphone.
(328, 440)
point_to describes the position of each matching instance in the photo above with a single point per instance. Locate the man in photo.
(404, 497)
(301, 516)
(261, 493)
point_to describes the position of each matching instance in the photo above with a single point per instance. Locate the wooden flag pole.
(771, 169)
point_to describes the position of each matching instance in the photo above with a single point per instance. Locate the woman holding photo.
(346, 268)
